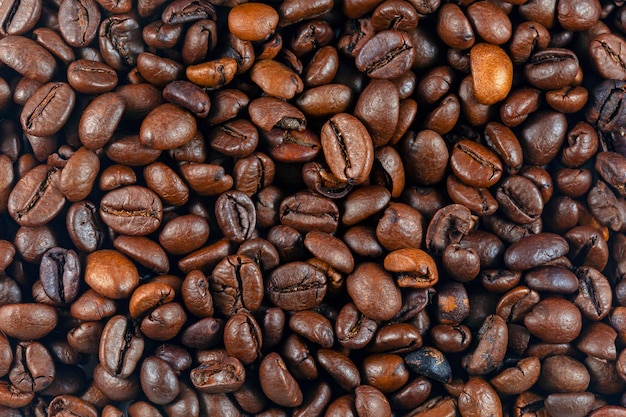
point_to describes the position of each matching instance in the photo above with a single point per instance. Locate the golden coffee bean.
(492, 72)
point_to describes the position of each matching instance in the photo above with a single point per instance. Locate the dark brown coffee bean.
(479, 397)
(79, 21)
(120, 55)
(219, 376)
(121, 346)
(236, 215)
(387, 55)
(607, 57)
(374, 292)
(91, 77)
(425, 156)
(306, 211)
(33, 369)
(296, 286)
(378, 95)
(545, 323)
(454, 28)
(551, 68)
(448, 225)
(28, 321)
(70, 404)
(575, 404)
(489, 353)
(352, 328)
(164, 322)
(183, 11)
(48, 109)
(158, 380)
(59, 273)
(18, 17)
(21, 54)
(36, 198)
(474, 164)
(611, 166)
(236, 284)
(132, 210)
(594, 296)
(535, 250)
(277, 383)
(348, 148)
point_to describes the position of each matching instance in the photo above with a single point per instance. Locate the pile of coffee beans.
(369, 208)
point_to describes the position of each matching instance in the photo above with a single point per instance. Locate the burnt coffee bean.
(429, 362)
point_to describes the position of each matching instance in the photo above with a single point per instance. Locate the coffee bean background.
(369, 208)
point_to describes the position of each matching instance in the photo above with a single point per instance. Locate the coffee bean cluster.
(366, 208)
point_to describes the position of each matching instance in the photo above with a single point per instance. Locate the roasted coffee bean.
(348, 148)
(492, 72)
(236, 215)
(33, 369)
(306, 211)
(374, 292)
(79, 21)
(554, 320)
(59, 273)
(236, 284)
(19, 53)
(277, 383)
(121, 346)
(296, 286)
(132, 210)
(91, 77)
(386, 55)
(429, 362)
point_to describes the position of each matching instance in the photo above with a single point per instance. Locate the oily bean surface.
(312, 208)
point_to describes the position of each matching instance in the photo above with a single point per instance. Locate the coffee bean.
(488, 63)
